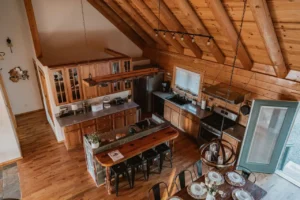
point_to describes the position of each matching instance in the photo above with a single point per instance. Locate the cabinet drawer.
(72, 127)
(88, 123)
(190, 115)
(100, 119)
(172, 106)
(119, 114)
(130, 111)
(88, 129)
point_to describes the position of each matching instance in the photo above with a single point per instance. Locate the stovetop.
(215, 120)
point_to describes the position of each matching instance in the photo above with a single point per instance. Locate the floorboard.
(49, 171)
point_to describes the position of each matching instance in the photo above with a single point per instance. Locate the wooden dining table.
(134, 148)
(256, 191)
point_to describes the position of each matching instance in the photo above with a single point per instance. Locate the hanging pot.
(245, 109)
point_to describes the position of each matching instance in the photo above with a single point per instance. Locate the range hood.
(219, 91)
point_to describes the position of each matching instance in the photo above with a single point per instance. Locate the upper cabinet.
(115, 67)
(86, 70)
(126, 65)
(74, 84)
(58, 83)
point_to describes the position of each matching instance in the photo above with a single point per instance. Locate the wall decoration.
(9, 44)
(2, 54)
(17, 73)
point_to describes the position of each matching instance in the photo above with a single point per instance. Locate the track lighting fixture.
(164, 34)
(208, 42)
(193, 38)
(182, 38)
(173, 36)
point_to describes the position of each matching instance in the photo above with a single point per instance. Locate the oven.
(207, 133)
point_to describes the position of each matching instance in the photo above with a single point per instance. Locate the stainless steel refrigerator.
(143, 88)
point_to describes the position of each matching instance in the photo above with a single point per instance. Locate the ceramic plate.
(239, 194)
(235, 179)
(175, 198)
(197, 191)
(215, 177)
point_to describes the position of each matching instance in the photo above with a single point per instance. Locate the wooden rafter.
(33, 28)
(170, 21)
(198, 27)
(224, 21)
(265, 25)
(118, 22)
(114, 53)
(139, 19)
(131, 23)
(151, 17)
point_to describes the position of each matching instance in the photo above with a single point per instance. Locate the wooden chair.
(157, 190)
(246, 173)
(182, 179)
(197, 168)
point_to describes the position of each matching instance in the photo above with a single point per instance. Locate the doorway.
(289, 165)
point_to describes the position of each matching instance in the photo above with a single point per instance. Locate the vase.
(210, 197)
(95, 145)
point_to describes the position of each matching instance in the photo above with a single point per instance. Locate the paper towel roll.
(74, 107)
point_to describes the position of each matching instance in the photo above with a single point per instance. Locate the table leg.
(172, 146)
(108, 183)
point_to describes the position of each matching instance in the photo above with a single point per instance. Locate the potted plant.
(93, 138)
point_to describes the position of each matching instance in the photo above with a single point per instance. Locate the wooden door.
(104, 124)
(86, 70)
(58, 83)
(2, 87)
(117, 86)
(130, 119)
(74, 84)
(102, 69)
(88, 129)
(73, 139)
(115, 67)
(167, 113)
(45, 94)
(127, 85)
(118, 120)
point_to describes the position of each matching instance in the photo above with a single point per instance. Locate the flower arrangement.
(93, 138)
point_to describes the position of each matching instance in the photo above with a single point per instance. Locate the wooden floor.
(48, 171)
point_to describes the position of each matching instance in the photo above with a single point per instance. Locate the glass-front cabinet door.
(126, 65)
(266, 134)
(73, 83)
(115, 67)
(59, 88)
(117, 86)
(127, 84)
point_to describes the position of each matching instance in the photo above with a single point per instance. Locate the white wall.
(9, 144)
(24, 95)
(60, 27)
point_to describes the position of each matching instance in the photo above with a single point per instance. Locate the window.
(187, 81)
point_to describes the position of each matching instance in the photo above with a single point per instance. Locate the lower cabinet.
(167, 113)
(104, 124)
(175, 118)
(73, 139)
(172, 113)
(118, 120)
(236, 144)
(189, 123)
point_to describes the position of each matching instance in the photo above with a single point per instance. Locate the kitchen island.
(97, 160)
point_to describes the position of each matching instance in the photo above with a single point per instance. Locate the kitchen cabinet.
(236, 144)
(126, 66)
(73, 136)
(189, 123)
(88, 127)
(172, 113)
(73, 84)
(86, 71)
(127, 85)
(59, 86)
(175, 118)
(167, 113)
(115, 67)
(117, 86)
(102, 69)
(104, 124)
(118, 120)
(130, 117)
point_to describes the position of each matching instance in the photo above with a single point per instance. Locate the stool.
(118, 170)
(163, 149)
(149, 155)
(134, 163)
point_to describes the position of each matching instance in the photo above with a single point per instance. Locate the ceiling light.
(208, 42)
(164, 34)
(182, 38)
(173, 36)
(156, 34)
(193, 39)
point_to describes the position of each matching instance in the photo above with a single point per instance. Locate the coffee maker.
(165, 86)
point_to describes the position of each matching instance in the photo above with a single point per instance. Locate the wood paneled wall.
(261, 86)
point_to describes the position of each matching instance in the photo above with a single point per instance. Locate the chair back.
(181, 177)
(247, 173)
(197, 167)
(157, 190)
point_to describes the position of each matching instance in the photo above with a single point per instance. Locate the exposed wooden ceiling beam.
(170, 21)
(224, 21)
(107, 12)
(131, 22)
(139, 19)
(265, 25)
(151, 17)
(33, 28)
(198, 27)
(114, 53)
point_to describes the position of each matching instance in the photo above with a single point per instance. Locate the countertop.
(237, 132)
(75, 119)
(193, 109)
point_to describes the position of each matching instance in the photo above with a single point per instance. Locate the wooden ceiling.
(270, 35)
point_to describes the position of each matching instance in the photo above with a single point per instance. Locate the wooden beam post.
(33, 28)
(198, 27)
(131, 22)
(109, 14)
(170, 21)
(151, 17)
(265, 25)
(224, 21)
(139, 19)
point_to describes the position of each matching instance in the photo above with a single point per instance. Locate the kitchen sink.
(179, 100)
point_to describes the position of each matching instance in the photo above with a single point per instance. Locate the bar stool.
(163, 149)
(117, 170)
(134, 163)
(149, 156)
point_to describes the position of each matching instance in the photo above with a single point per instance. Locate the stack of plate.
(235, 179)
(175, 198)
(215, 177)
(197, 191)
(239, 194)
